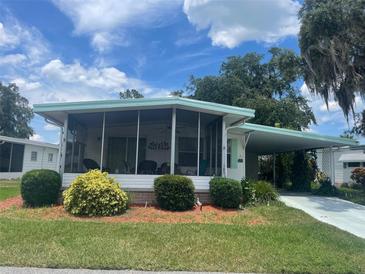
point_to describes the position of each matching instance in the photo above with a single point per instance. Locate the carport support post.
(173, 139)
(274, 169)
(62, 154)
(332, 162)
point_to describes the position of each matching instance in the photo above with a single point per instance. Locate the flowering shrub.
(95, 194)
(358, 176)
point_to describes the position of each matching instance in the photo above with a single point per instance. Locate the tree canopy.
(130, 94)
(15, 113)
(268, 87)
(332, 43)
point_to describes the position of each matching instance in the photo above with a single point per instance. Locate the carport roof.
(267, 140)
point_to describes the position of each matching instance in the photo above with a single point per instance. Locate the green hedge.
(40, 187)
(225, 192)
(174, 192)
(95, 194)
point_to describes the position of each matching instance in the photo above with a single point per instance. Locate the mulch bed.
(136, 214)
(10, 202)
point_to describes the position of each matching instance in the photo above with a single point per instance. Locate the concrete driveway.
(334, 211)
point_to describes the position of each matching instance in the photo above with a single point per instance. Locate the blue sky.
(88, 50)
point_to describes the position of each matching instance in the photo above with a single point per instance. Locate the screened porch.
(144, 142)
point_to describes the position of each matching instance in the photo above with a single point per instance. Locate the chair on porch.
(90, 164)
(147, 167)
(165, 168)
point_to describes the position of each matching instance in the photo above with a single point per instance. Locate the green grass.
(288, 241)
(9, 188)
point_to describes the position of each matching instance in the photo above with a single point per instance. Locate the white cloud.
(50, 127)
(12, 59)
(6, 38)
(25, 85)
(331, 119)
(22, 43)
(37, 137)
(231, 22)
(108, 78)
(104, 21)
(60, 82)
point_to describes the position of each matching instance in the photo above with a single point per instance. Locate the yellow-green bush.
(95, 194)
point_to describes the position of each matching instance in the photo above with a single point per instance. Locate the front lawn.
(9, 188)
(283, 240)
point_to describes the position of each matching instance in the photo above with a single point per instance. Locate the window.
(50, 157)
(229, 152)
(33, 156)
(187, 154)
(353, 164)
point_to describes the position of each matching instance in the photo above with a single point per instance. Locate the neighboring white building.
(18, 156)
(345, 160)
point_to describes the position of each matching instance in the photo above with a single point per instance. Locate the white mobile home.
(137, 140)
(18, 156)
(345, 160)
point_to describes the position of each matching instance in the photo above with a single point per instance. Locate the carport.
(265, 140)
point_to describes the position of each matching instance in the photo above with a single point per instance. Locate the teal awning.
(267, 140)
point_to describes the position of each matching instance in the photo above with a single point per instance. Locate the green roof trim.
(143, 102)
(300, 134)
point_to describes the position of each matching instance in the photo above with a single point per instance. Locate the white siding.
(142, 182)
(42, 158)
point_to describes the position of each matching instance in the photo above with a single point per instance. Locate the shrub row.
(229, 193)
(96, 194)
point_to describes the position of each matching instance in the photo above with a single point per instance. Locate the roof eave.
(140, 103)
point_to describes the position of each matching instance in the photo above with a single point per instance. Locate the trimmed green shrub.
(174, 192)
(322, 185)
(248, 192)
(265, 192)
(225, 192)
(358, 176)
(95, 194)
(40, 187)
